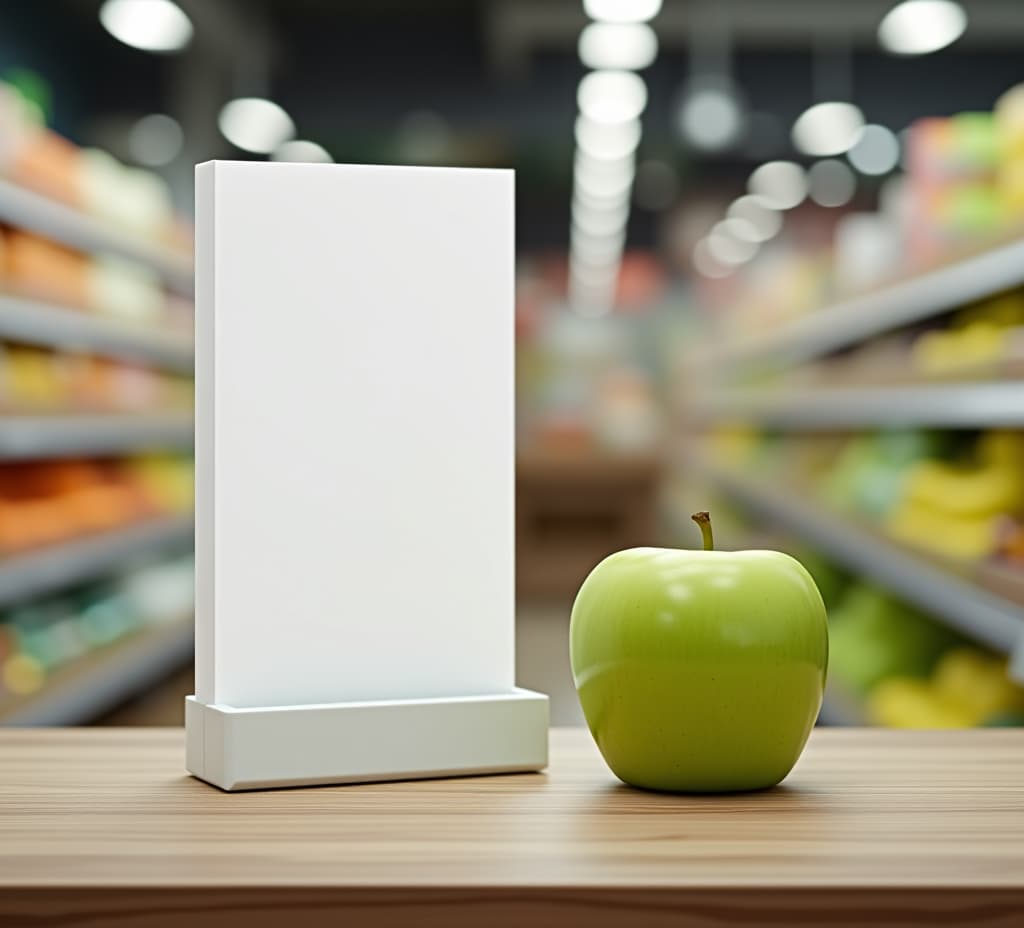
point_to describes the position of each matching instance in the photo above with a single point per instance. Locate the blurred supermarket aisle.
(783, 281)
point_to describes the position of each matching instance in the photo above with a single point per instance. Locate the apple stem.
(703, 519)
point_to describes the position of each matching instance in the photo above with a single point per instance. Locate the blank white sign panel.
(354, 433)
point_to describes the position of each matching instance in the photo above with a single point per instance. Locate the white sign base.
(238, 749)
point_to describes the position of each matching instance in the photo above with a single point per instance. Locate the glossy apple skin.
(699, 671)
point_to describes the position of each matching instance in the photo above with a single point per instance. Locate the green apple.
(699, 671)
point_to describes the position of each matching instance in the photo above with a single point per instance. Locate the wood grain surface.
(873, 827)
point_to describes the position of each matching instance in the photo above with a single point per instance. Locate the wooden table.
(102, 826)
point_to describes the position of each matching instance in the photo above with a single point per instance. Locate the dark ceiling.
(351, 73)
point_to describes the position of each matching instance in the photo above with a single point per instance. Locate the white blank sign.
(354, 433)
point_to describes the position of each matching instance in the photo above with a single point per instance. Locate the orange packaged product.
(90, 382)
(100, 508)
(40, 268)
(49, 164)
(31, 523)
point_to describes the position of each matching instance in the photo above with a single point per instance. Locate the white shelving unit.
(36, 213)
(978, 613)
(891, 306)
(47, 570)
(46, 325)
(50, 436)
(101, 681)
(996, 404)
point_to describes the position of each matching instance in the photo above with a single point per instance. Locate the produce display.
(966, 688)
(36, 268)
(905, 669)
(92, 181)
(45, 638)
(958, 495)
(48, 502)
(62, 309)
(983, 341)
(34, 380)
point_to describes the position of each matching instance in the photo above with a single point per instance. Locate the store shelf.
(38, 323)
(900, 303)
(36, 213)
(24, 436)
(97, 683)
(50, 569)
(961, 604)
(997, 404)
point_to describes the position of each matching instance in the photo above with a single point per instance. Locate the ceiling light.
(828, 128)
(302, 150)
(705, 263)
(612, 96)
(152, 25)
(595, 277)
(726, 247)
(711, 117)
(603, 179)
(831, 183)
(630, 46)
(598, 222)
(917, 27)
(607, 140)
(593, 294)
(596, 249)
(619, 199)
(739, 229)
(758, 215)
(877, 151)
(155, 140)
(780, 184)
(254, 124)
(622, 11)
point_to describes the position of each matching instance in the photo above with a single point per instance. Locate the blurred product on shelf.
(48, 502)
(35, 157)
(961, 188)
(984, 340)
(583, 383)
(43, 639)
(908, 670)
(957, 495)
(36, 267)
(589, 432)
(966, 688)
(873, 635)
(35, 379)
(956, 508)
(953, 197)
